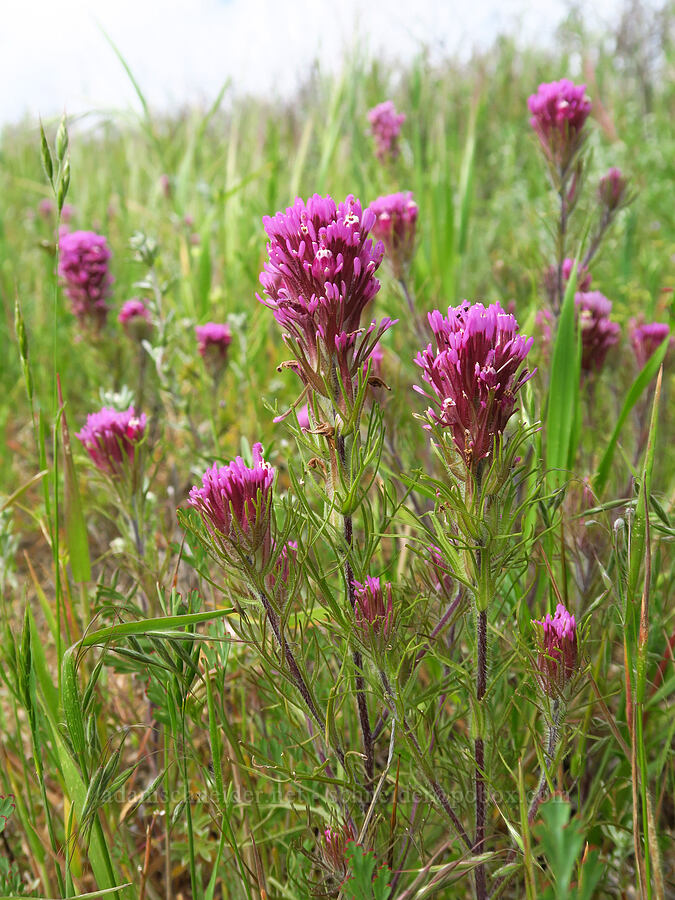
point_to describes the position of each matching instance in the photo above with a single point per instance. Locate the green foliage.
(561, 841)
(367, 880)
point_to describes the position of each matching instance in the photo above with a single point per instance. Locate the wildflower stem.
(422, 652)
(438, 791)
(479, 749)
(549, 756)
(294, 669)
(361, 701)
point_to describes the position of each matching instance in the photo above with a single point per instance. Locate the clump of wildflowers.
(646, 338)
(385, 124)
(395, 224)
(111, 438)
(559, 112)
(136, 320)
(318, 281)
(235, 504)
(558, 652)
(474, 373)
(598, 332)
(374, 608)
(213, 343)
(83, 265)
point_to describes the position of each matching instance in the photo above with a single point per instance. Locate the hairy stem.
(479, 750)
(549, 756)
(421, 653)
(437, 790)
(364, 719)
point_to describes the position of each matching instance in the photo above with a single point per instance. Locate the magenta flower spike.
(645, 339)
(559, 112)
(136, 320)
(558, 652)
(235, 503)
(598, 332)
(374, 607)
(385, 124)
(318, 281)
(111, 438)
(47, 208)
(395, 225)
(213, 342)
(333, 847)
(83, 266)
(474, 375)
(612, 190)
(551, 278)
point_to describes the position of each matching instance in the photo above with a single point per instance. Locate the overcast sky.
(53, 55)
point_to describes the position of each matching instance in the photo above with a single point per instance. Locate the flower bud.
(558, 652)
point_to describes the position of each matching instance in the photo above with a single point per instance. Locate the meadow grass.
(155, 739)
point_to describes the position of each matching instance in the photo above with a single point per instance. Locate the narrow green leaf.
(642, 381)
(76, 528)
(563, 394)
(46, 155)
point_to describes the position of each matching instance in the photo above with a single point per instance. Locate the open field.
(327, 671)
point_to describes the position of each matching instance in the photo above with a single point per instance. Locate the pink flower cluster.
(598, 332)
(558, 656)
(111, 437)
(374, 607)
(395, 224)
(612, 190)
(474, 373)
(235, 503)
(136, 320)
(385, 124)
(559, 112)
(551, 278)
(646, 338)
(83, 266)
(213, 342)
(318, 281)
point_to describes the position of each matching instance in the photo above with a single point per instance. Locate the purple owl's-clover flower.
(136, 320)
(558, 651)
(474, 373)
(333, 849)
(395, 224)
(83, 265)
(559, 112)
(646, 338)
(318, 281)
(612, 190)
(374, 609)
(385, 124)
(213, 342)
(551, 278)
(235, 503)
(111, 437)
(598, 332)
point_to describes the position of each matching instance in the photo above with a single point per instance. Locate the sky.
(54, 56)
